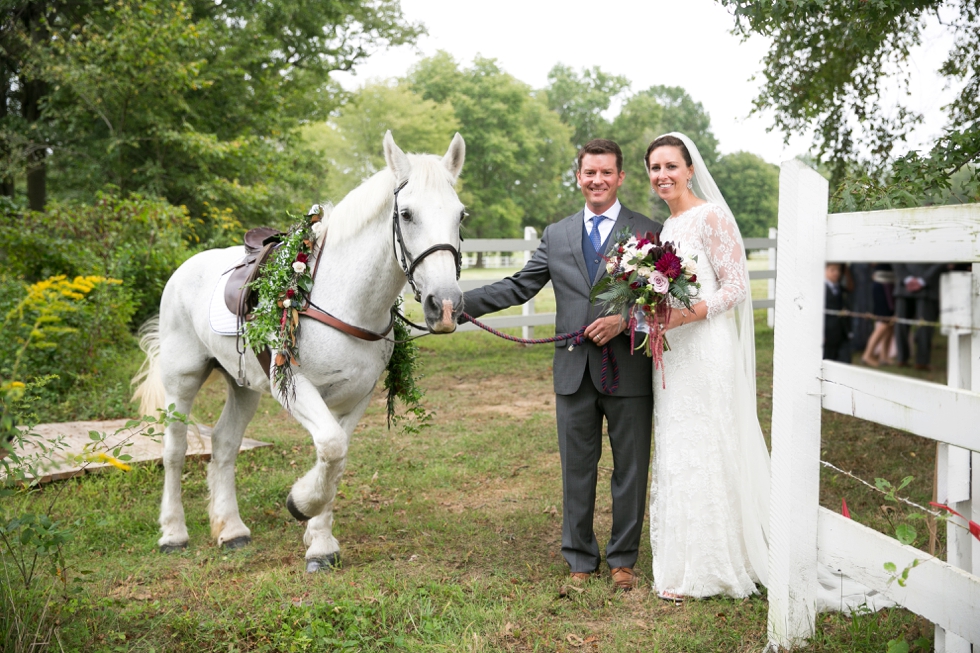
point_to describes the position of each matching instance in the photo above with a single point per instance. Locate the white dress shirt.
(606, 226)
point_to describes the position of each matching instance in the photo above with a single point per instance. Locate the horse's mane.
(373, 200)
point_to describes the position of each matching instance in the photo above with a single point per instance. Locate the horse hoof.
(173, 548)
(324, 563)
(294, 511)
(237, 543)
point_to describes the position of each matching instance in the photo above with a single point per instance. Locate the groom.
(571, 257)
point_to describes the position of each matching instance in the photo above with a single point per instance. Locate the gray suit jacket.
(559, 259)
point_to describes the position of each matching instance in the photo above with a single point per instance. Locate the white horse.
(358, 280)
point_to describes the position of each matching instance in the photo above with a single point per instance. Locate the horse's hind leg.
(226, 524)
(182, 385)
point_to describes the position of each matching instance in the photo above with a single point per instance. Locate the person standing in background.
(916, 298)
(877, 351)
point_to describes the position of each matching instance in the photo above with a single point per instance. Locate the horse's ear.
(455, 155)
(396, 159)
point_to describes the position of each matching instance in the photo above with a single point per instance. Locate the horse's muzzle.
(442, 311)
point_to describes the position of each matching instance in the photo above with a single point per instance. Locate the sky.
(686, 43)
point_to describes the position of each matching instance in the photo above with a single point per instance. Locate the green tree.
(516, 148)
(195, 101)
(827, 71)
(646, 115)
(580, 100)
(349, 144)
(751, 189)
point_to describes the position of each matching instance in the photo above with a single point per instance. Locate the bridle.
(405, 258)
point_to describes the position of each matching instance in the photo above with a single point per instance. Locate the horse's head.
(426, 228)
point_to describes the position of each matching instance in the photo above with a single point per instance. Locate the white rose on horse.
(407, 216)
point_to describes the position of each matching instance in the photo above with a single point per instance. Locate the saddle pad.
(223, 322)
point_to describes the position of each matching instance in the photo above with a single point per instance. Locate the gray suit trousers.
(630, 421)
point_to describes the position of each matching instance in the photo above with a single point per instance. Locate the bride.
(709, 491)
(709, 494)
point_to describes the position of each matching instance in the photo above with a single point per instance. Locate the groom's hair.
(600, 146)
(668, 140)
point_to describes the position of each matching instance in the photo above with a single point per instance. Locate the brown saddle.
(259, 245)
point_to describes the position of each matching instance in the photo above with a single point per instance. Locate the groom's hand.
(605, 329)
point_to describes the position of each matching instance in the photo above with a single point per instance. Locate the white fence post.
(771, 283)
(795, 483)
(975, 375)
(953, 463)
(527, 332)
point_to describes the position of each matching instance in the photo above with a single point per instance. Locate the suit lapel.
(573, 232)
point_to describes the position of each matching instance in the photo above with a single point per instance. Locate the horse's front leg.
(311, 497)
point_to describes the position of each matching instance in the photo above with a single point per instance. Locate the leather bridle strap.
(405, 258)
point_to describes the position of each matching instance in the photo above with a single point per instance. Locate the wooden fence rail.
(529, 318)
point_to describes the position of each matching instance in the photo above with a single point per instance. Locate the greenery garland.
(401, 380)
(283, 290)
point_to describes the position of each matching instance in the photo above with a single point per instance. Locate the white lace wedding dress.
(707, 512)
(709, 494)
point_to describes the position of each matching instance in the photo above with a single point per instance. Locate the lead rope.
(578, 338)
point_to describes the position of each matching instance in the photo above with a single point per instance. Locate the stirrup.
(240, 380)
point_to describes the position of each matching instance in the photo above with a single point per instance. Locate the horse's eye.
(463, 215)
(406, 215)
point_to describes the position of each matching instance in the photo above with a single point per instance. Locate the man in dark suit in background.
(571, 257)
(916, 297)
(836, 329)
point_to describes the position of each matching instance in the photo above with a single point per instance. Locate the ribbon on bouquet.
(655, 342)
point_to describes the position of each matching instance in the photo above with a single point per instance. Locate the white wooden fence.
(801, 532)
(529, 318)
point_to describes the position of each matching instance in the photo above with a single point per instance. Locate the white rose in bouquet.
(690, 265)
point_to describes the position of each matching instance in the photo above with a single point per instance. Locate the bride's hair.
(668, 140)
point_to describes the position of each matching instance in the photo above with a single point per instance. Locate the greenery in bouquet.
(643, 274)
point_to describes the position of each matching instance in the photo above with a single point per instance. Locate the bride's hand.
(682, 316)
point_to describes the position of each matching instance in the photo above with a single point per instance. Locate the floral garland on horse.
(283, 291)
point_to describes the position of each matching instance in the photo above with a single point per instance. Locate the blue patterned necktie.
(594, 234)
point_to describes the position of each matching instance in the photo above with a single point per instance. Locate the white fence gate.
(801, 532)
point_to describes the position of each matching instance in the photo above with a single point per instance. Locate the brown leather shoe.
(580, 576)
(624, 579)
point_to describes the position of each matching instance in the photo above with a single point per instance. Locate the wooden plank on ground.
(943, 594)
(927, 409)
(74, 436)
(932, 234)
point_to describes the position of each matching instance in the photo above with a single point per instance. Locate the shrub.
(136, 239)
(74, 331)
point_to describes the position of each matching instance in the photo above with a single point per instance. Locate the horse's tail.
(149, 385)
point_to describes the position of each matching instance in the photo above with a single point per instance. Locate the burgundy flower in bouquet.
(643, 274)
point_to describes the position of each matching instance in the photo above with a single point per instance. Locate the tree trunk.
(6, 180)
(34, 90)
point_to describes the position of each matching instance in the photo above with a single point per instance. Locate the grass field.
(450, 539)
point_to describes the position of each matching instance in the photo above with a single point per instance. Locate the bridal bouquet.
(643, 274)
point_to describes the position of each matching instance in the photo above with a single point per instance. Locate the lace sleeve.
(726, 254)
